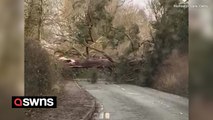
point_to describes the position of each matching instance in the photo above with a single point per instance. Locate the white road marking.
(107, 116)
(181, 113)
(122, 89)
(132, 93)
(104, 116)
(101, 116)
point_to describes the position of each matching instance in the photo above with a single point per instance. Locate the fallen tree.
(89, 63)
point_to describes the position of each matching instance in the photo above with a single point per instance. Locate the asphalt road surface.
(129, 102)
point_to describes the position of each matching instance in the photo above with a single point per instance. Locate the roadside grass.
(172, 75)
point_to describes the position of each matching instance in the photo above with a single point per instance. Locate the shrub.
(41, 71)
(68, 72)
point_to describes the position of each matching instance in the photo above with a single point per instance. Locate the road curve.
(129, 102)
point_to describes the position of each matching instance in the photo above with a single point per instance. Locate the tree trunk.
(40, 20)
(87, 52)
(102, 52)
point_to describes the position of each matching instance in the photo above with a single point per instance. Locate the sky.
(140, 3)
(143, 5)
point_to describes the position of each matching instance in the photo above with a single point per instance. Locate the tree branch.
(130, 39)
(102, 52)
(84, 57)
(73, 47)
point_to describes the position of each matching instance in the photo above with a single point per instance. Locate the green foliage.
(96, 20)
(133, 33)
(116, 35)
(134, 30)
(129, 71)
(171, 33)
(94, 16)
(83, 32)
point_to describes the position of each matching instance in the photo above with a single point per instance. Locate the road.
(129, 102)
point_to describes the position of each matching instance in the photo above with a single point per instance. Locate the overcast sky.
(143, 5)
(140, 3)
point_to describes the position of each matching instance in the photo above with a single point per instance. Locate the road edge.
(90, 113)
